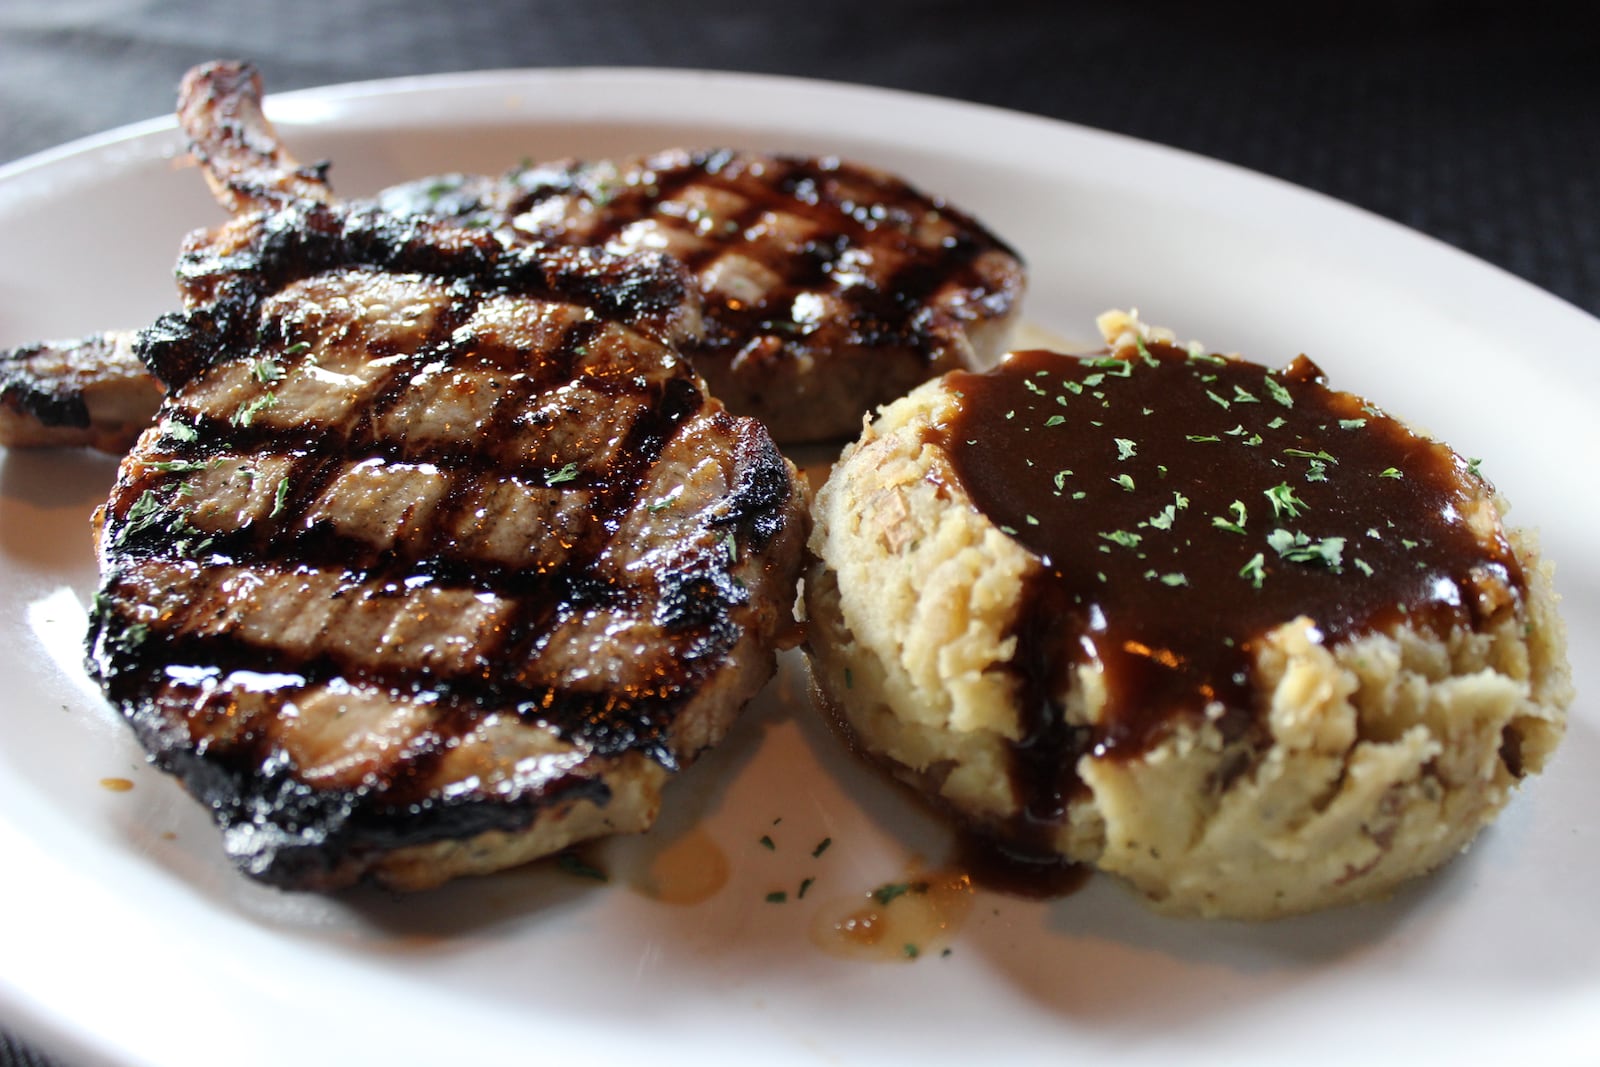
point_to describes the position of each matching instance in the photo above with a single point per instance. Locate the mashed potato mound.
(1374, 760)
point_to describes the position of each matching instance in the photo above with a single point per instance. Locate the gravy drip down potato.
(1243, 640)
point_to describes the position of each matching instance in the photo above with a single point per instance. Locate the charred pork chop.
(829, 287)
(438, 557)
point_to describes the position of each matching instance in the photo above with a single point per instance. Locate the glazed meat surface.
(438, 556)
(829, 287)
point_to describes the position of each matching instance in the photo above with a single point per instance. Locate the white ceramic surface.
(125, 938)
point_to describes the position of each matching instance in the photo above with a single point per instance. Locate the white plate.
(125, 938)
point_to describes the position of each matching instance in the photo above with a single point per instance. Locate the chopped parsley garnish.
(1164, 519)
(572, 864)
(181, 431)
(1276, 390)
(822, 846)
(1390, 472)
(266, 371)
(1352, 424)
(1123, 538)
(248, 411)
(1174, 579)
(766, 843)
(1239, 516)
(279, 497)
(1125, 448)
(144, 513)
(1218, 399)
(1284, 502)
(912, 951)
(886, 893)
(1124, 480)
(1203, 438)
(1298, 548)
(565, 474)
(1243, 396)
(1473, 465)
(777, 896)
(1255, 570)
(1055, 420)
(805, 885)
(182, 466)
(131, 637)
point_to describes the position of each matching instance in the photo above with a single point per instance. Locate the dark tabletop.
(1475, 122)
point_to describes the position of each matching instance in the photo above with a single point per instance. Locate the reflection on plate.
(128, 939)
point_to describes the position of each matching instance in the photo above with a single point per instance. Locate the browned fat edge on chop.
(830, 287)
(434, 561)
(1181, 507)
(90, 393)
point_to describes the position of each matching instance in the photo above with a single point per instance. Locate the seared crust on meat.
(829, 287)
(438, 557)
(90, 393)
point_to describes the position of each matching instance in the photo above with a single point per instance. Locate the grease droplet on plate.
(898, 921)
(689, 870)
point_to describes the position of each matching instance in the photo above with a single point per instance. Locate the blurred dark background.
(1475, 122)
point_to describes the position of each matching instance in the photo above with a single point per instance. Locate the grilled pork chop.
(438, 556)
(829, 288)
